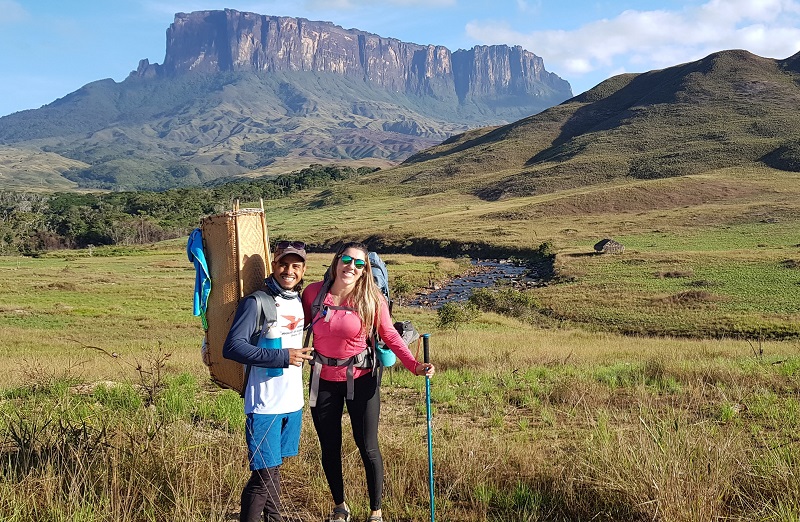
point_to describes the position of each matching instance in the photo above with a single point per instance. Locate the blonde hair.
(366, 296)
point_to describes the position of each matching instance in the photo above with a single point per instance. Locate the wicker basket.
(236, 246)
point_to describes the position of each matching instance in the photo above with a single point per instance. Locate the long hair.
(366, 297)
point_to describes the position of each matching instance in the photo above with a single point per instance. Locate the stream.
(485, 273)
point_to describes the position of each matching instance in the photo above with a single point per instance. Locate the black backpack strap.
(316, 306)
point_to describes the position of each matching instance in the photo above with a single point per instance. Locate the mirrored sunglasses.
(358, 263)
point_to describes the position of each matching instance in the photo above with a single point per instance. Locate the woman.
(344, 370)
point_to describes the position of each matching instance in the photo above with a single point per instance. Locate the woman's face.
(346, 269)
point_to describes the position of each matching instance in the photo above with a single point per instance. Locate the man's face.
(288, 271)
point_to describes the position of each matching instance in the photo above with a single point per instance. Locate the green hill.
(729, 109)
(691, 168)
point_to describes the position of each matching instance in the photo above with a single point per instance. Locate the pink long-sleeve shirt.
(338, 335)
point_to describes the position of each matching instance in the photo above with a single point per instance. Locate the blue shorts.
(272, 437)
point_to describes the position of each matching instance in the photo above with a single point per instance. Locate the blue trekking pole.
(427, 358)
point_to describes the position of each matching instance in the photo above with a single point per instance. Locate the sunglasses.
(358, 263)
(281, 245)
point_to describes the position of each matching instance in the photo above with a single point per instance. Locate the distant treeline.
(35, 222)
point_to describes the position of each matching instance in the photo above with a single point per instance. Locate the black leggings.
(262, 494)
(364, 411)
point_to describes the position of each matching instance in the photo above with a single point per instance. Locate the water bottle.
(386, 356)
(271, 339)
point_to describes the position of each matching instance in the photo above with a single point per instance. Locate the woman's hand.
(426, 369)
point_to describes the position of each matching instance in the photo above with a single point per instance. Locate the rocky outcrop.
(609, 246)
(498, 70)
(229, 40)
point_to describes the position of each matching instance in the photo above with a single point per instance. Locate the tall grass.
(528, 425)
(73, 454)
(107, 413)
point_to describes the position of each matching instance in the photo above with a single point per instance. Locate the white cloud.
(644, 40)
(13, 12)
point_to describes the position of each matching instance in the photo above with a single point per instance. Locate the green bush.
(506, 301)
(547, 249)
(401, 286)
(454, 315)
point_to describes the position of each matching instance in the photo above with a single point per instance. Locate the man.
(273, 395)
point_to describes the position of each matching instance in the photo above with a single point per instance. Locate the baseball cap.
(284, 248)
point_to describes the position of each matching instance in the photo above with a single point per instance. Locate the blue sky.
(53, 47)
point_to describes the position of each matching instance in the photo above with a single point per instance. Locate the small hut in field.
(609, 246)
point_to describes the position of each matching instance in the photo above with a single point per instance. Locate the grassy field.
(659, 384)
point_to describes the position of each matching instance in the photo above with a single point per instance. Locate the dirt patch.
(14, 311)
(170, 264)
(688, 298)
(790, 263)
(703, 283)
(67, 286)
(674, 274)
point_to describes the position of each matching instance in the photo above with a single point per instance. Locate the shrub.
(546, 249)
(506, 301)
(454, 315)
(401, 286)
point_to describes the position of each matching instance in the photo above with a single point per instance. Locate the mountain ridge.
(176, 124)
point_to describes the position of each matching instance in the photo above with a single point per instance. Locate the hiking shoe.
(375, 518)
(339, 514)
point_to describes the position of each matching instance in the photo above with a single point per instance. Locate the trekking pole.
(427, 358)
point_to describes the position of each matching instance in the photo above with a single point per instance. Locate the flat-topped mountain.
(227, 41)
(245, 94)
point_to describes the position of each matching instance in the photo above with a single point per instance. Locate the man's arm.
(237, 345)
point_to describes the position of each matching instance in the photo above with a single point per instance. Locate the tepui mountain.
(243, 94)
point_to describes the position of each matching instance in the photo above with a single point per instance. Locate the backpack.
(235, 246)
(406, 330)
(381, 276)
(267, 316)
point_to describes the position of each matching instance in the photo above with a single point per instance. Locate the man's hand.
(298, 355)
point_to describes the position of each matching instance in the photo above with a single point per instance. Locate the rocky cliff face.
(241, 94)
(217, 41)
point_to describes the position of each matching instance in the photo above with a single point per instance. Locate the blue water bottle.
(271, 339)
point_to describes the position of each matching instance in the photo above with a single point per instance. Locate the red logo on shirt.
(292, 321)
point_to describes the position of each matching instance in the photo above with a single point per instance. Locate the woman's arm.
(394, 341)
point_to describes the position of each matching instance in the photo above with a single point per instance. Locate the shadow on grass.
(549, 499)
